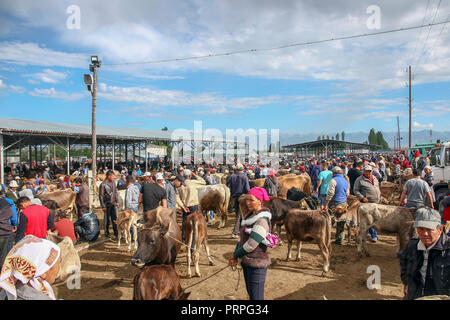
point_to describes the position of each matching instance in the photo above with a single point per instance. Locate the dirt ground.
(108, 275)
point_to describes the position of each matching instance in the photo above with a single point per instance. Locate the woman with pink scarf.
(252, 246)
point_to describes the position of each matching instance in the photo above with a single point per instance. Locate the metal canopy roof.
(329, 142)
(62, 129)
(39, 132)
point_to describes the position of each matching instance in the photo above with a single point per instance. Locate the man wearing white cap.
(425, 261)
(12, 191)
(367, 189)
(171, 194)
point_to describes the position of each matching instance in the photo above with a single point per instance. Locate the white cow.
(384, 218)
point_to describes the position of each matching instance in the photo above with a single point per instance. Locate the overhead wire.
(420, 33)
(435, 41)
(274, 48)
(425, 43)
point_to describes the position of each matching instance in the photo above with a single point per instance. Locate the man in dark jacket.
(82, 190)
(87, 227)
(5, 228)
(425, 261)
(239, 185)
(109, 201)
(355, 173)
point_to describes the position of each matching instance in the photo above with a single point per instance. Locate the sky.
(345, 85)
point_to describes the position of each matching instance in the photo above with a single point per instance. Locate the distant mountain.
(422, 136)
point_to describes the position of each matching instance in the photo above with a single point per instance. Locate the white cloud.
(145, 32)
(11, 88)
(54, 94)
(48, 76)
(215, 102)
(422, 126)
(29, 53)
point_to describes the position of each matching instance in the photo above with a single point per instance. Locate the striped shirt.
(258, 233)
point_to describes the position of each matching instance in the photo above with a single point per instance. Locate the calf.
(159, 238)
(158, 282)
(306, 225)
(70, 260)
(126, 220)
(390, 219)
(351, 216)
(195, 229)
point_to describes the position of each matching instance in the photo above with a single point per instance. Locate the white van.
(440, 166)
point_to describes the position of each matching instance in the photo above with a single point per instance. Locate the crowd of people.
(333, 179)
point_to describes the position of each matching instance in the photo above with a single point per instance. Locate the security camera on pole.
(91, 83)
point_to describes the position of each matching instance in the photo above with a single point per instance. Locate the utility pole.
(398, 130)
(92, 87)
(409, 107)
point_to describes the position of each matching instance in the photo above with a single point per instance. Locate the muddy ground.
(108, 275)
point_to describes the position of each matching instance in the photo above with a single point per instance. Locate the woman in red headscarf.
(252, 246)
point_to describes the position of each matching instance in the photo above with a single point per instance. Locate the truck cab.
(440, 167)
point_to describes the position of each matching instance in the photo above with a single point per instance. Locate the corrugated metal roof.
(57, 128)
(33, 126)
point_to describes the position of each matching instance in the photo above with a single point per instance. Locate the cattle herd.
(157, 233)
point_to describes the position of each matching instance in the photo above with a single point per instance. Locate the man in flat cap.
(338, 190)
(425, 261)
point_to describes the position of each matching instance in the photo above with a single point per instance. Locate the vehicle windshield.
(435, 156)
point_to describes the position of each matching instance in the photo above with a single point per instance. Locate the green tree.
(372, 139)
(343, 136)
(328, 137)
(380, 141)
(323, 137)
(164, 129)
(337, 136)
(318, 138)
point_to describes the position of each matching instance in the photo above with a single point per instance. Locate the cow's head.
(151, 240)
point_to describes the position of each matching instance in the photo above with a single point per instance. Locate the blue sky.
(351, 85)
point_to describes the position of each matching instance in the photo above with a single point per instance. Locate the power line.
(425, 43)
(274, 48)
(435, 41)
(420, 33)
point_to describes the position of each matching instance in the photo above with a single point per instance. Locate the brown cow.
(159, 238)
(196, 232)
(216, 198)
(389, 219)
(306, 225)
(157, 283)
(301, 182)
(63, 199)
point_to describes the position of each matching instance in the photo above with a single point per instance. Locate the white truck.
(440, 166)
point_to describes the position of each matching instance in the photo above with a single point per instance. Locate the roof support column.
(2, 164)
(68, 156)
(113, 155)
(146, 156)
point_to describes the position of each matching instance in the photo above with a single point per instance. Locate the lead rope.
(215, 273)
